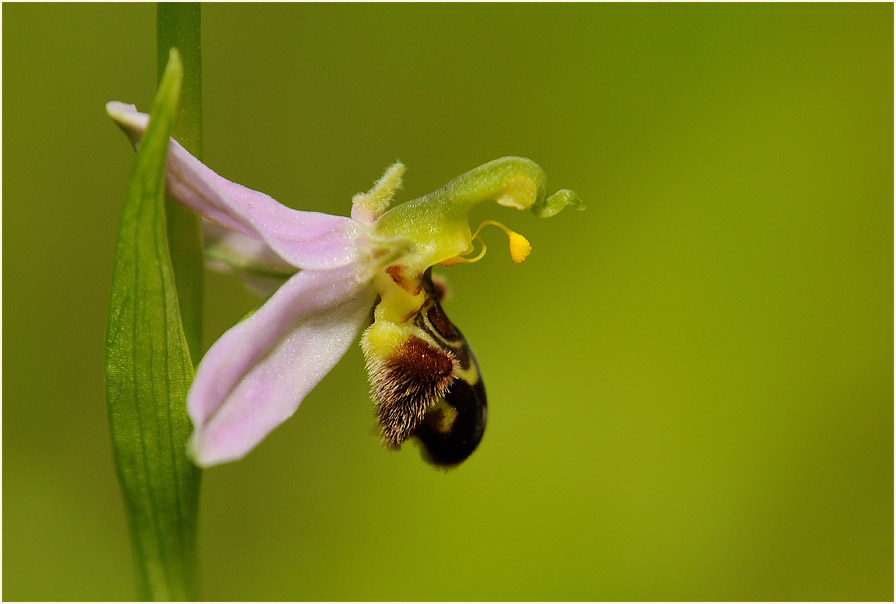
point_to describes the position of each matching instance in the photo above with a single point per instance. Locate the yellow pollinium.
(520, 248)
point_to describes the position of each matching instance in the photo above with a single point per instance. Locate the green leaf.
(148, 373)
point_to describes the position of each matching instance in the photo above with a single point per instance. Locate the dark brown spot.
(395, 271)
(398, 272)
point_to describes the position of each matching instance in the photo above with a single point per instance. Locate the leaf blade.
(148, 373)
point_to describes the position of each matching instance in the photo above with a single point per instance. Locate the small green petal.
(367, 207)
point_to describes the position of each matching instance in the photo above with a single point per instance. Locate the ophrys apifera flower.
(424, 378)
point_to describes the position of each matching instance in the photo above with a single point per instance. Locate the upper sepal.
(307, 240)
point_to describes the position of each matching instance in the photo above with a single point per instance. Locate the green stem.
(177, 26)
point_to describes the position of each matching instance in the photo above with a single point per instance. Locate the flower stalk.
(178, 26)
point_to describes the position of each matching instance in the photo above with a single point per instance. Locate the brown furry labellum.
(428, 385)
(407, 383)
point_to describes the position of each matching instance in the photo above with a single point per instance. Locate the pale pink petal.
(303, 239)
(254, 377)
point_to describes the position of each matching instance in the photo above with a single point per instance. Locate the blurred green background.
(690, 383)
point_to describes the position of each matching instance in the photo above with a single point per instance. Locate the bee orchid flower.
(334, 270)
